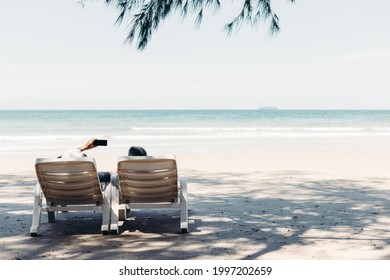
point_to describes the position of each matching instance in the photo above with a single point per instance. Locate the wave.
(189, 136)
(260, 129)
(202, 132)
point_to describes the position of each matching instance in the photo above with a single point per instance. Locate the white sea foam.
(57, 130)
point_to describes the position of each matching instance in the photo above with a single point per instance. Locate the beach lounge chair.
(148, 182)
(70, 184)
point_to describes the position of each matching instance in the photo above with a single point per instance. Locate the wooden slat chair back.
(149, 182)
(69, 184)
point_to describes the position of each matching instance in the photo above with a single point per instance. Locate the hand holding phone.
(100, 142)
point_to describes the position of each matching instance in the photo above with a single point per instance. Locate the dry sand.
(263, 205)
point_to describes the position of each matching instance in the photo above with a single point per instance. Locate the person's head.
(137, 151)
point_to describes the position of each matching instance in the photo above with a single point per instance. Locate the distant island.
(267, 108)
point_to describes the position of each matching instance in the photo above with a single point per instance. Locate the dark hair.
(137, 151)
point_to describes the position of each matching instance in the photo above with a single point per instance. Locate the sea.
(192, 131)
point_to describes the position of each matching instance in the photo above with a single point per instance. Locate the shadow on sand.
(233, 216)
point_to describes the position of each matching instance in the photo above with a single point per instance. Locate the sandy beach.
(263, 205)
(278, 113)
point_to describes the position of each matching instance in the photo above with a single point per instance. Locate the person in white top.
(103, 176)
(78, 153)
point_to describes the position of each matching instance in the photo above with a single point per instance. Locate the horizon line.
(199, 109)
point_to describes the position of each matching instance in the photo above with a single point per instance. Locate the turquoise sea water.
(53, 130)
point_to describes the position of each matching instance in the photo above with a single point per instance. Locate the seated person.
(104, 177)
(133, 151)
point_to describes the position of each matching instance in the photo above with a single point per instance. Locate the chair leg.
(114, 229)
(106, 209)
(51, 216)
(36, 219)
(183, 205)
(122, 216)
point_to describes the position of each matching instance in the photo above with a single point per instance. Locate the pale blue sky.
(331, 54)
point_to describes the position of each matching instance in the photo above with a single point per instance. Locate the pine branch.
(145, 16)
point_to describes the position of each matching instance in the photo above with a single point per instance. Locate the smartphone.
(99, 142)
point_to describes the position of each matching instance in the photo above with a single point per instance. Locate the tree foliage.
(145, 16)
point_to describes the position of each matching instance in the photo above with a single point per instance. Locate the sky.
(56, 54)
